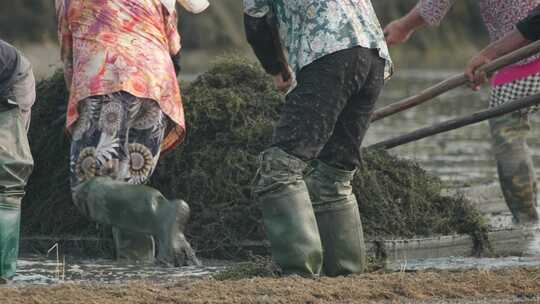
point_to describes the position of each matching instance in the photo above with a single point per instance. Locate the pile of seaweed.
(230, 110)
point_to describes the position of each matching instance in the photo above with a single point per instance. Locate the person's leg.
(15, 167)
(514, 165)
(107, 171)
(514, 162)
(16, 164)
(306, 123)
(329, 182)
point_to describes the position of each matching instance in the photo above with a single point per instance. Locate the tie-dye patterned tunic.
(110, 46)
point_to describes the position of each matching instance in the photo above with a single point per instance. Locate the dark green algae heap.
(230, 110)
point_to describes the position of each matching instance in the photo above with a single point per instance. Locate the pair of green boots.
(313, 223)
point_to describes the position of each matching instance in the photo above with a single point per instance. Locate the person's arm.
(259, 35)
(511, 42)
(263, 36)
(426, 13)
(264, 40)
(66, 41)
(526, 31)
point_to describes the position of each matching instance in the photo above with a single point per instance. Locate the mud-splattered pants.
(327, 115)
(514, 162)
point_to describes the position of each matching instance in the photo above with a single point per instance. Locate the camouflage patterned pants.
(514, 162)
(327, 115)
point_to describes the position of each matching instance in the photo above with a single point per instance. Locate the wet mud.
(471, 286)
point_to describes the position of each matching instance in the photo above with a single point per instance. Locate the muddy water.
(40, 270)
(459, 157)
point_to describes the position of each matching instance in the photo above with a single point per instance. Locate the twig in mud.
(60, 267)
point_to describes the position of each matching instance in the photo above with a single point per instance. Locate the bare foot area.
(509, 285)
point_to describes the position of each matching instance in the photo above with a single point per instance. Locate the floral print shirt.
(311, 29)
(110, 46)
(500, 16)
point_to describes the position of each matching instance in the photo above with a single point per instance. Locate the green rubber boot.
(15, 167)
(288, 215)
(338, 218)
(141, 210)
(10, 219)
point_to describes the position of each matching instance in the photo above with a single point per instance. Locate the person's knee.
(277, 167)
(509, 130)
(14, 175)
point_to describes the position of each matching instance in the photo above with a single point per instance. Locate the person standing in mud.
(124, 111)
(338, 59)
(17, 95)
(509, 132)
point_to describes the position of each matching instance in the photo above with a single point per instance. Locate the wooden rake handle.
(458, 122)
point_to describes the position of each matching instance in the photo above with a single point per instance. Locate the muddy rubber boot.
(288, 215)
(338, 218)
(139, 209)
(15, 167)
(10, 218)
(133, 247)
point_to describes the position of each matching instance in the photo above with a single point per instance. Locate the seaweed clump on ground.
(47, 207)
(230, 110)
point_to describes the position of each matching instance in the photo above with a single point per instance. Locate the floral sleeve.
(256, 8)
(173, 37)
(66, 41)
(434, 11)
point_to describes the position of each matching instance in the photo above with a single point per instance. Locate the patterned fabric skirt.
(516, 90)
(117, 135)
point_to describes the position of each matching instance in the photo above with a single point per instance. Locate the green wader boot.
(338, 218)
(15, 167)
(142, 210)
(288, 214)
(10, 219)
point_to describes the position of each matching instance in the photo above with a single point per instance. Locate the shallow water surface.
(40, 270)
(464, 263)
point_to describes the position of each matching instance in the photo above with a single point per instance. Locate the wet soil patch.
(460, 287)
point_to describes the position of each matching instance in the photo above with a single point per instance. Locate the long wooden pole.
(458, 123)
(454, 82)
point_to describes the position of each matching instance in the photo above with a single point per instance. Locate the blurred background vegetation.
(30, 24)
